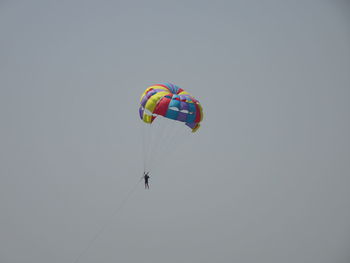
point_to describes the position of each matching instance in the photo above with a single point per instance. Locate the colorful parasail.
(172, 102)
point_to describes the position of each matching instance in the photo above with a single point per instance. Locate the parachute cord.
(108, 222)
(161, 134)
(144, 147)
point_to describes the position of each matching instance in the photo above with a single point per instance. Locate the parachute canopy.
(172, 102)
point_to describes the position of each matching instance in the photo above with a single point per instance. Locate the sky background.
(266, 178)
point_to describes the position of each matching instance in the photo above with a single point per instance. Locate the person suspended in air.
(146, 177)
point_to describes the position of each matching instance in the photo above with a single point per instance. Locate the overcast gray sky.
(266, 178)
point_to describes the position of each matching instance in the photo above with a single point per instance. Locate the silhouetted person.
(146, 177)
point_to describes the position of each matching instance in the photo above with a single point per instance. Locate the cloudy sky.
(265, 179)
